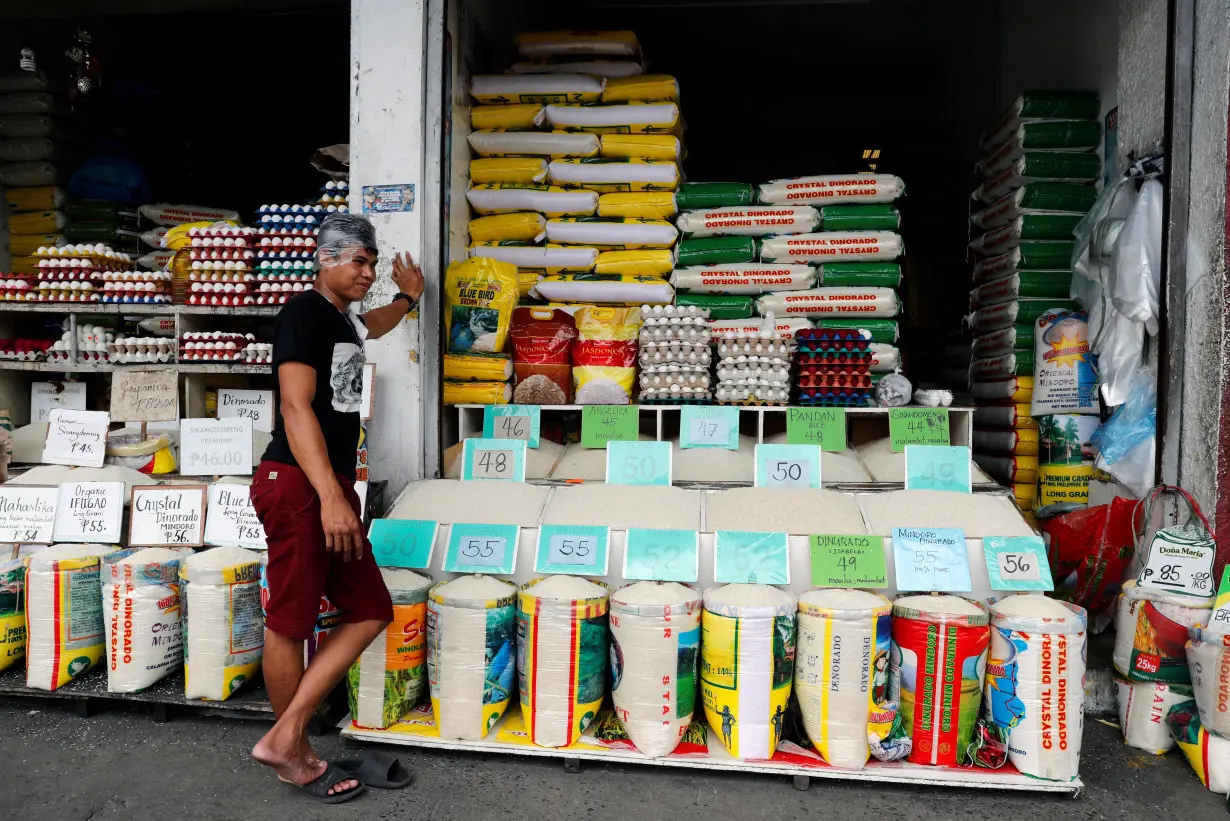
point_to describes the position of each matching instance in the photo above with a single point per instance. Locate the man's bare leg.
(282, 665)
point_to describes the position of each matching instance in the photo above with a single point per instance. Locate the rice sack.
(389, 677)
(614, 175)
(471, 654)
(655, 650)
(1207, 753)
(224, 625)
(524, 227)
(1065, 369)
(503, 89)
(479, 297)
(655, 205)
(550, 259)
(604, 355)
(631, 118)
(747, 665)
(828, 190)
(1151, 631)
(834, 246)
(1208, 659)
(746, 278)
(748, 221)
(562, 653)
(12, 612)
(533, 144)
(515, 197)
(1143, 706)
(143, 616)
(64, 618)
(836, 302)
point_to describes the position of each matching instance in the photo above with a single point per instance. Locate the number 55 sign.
(578, 550)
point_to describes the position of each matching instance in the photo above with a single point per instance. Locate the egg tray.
(221, 243)
(285, 208)
(22, 356)
(19, 296)
(221, 276)
(752, 403)
(834, 380)
(222, 300)
(301, 255)
(220, 254)
(85, 296)
(832, 335)
(835, 358)
(820, 395)
(144, 299)
(666, 400)
(72, 274)
(14, 275)
(277, 233)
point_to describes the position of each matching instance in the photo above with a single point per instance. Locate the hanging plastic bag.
(1127, 442)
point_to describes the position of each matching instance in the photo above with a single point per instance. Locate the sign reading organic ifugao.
(145, 396)
(90, 512)
(167, 516)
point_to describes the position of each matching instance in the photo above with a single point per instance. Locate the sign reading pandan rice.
(388, 679)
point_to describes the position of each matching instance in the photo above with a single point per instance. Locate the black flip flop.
(384, 771)
(318, 788)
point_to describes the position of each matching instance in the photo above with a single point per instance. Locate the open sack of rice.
(143, 616)
(223, 619)
(389, 677)
(64, 616)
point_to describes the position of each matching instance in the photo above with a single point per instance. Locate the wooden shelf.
(106, 367)
(135, 309)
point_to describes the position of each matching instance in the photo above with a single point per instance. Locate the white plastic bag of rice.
(143, 616)
(743, 278)
(509, 198)
(540, 44)
(633, 118)
(64, 616)
(833, 246)
(612, 233)
(533, 144)
(831, 190)
(503, 89)
(604, 289)
(224, 624)
(562, 656)
(655, 649)
(608, 175)
(837, 301)
(749, 221)
(1143, 706)
(747, 665)
(539, 258)
(885, 358)
(471, 654)
(390, 676)
(598, 68)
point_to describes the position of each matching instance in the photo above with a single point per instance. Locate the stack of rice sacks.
(832, 367)
(164, 230)
(1038, 178)
(1202, 728)
(480, 297)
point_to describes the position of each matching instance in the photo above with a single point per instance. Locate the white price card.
(90, 512)
(28, 513)
(709, 426)
(47, 396)
(213, 447)
(482, 549)
(231, 520)
(254, 405)
(167, 516)
(579, 550)
(787, 466)
(1180, 564)
(76, 438)
(500, 460)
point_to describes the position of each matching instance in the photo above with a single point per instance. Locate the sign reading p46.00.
(213, 447)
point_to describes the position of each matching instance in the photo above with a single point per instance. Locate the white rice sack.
(1143, 706)
(634, 118)
(142, 614)
(29, 174)
(539, 44)
(562, 656)
(604, 289)
(606, 69)
(885, 358)
(1034, 693)
(749, 221)
(164, 213)
(612, 233)
(389, 677)
(533, 144)
(223, 620)
(655, 650)
(1208, 659)
(64, 615)
(743, 278)
(836, 302)
(994, 317)
(831, 190)
(842, 670)
(1065, 380)
(783, 326)
(833, 246)
(615, 175)
(545, 259)
(502, 89)
(1151, 630)
(509, 198)
(471, 654)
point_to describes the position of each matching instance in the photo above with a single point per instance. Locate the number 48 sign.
(493, 459)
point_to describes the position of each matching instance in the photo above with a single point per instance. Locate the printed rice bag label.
(1065, 373)
(748, 278)
(845, 188)
(471, 665)
(749, 220)
(389, 677)
(837, 302)
(1206, 752)
(834, 246)
(12, 613)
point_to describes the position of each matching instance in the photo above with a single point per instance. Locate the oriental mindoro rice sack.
(224, 625)
(847, 188)
(390, 677)
(143, 616)
(64, 618)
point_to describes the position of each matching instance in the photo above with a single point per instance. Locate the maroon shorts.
(300, 570)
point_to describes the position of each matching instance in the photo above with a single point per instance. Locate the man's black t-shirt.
(311, 330)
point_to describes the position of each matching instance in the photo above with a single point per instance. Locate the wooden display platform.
(508, 737)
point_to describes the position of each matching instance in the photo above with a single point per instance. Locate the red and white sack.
(833, 246)
(837, 302)
(784, 326)
(749, 221)
(1143, 706)
(743, 278)
(830, 190)
(166, 214)
(1208, 659)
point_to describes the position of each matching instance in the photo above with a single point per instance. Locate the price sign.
(90, 512)
(662, 555)
(931, 559)
(232, 521)
(709, 426)
(211, 447)
(500, 460)
(47, 396)
(1221, 607)
(848, 561)
(825, 427)
(482, 549)
(76, 438)
(167, 516)
(145, 396)
(254, 405)
(742, 557)
(403, 542)
(917, 426)
(578, 550)
(28, 513)
(936, 467)
(1017, 563)
(522, 422)
(638, 463)
(1180, 564)
(609, 423)
(787, 466)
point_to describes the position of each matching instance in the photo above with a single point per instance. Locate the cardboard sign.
(76, 438)
(848, 561)
(787, 466)
(90, 512)
(1179, 564)
(28, 513)
(917, 426)
(936, 467)
(254, 405)
(1017, 563)
(167, 516)
(145, 396)
(577, 550)
(403, 542)
(742, 557)
(638, 463)
(522, 422)
(709, 426)
(232, 521)
(500, 460)
(662, 555)
(47, 396)
(931, 559)
(601, 424)
(482, 549)
(825, 427)
(213, 447)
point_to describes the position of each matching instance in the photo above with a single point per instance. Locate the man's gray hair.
(341, 236)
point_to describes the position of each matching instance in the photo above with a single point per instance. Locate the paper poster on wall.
(77, 438)
(47, 396)
(388, 198)
(167, 516)
(254, 405)
(145, 396)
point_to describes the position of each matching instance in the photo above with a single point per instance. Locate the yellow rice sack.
(641, 146)
(654, 205)
(539, 259)
(552, 200)
(507, 169)
(38, 222)
(633, 118)
(479, 297)
(542, 44)
(477, 393)
(474, 367)
(502, 89)
(526, 226)
(645, 88)
(26, 245)
(519, 117)
(605, 176)
(24, 265)
(12, 612)
(647, 262)
(1025, 495)
(604, 355)
(526, 281)
(38, 198)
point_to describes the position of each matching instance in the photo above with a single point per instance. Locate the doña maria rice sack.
(1143, 706)
(64, 618)
(1151, 632)
(655, 650)
(471, 654)
(389, 677)
(747, 665)
(842, 671)
(562, 655)
(224, 625)
(143, 616)
(12, 612)
(1208, 659)
(1034, 695)
(938, 657)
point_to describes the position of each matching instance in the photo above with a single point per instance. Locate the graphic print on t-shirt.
(346, 377)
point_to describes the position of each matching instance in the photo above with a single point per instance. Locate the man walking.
(304, 494)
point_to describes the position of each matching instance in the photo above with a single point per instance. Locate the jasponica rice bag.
(223, 620)
(523, 227)
(516, 117)
(833, 246)
(749, 221)
(655, 205)
(143, 616)
(12, 612)
(562, 656)
(645, 262)
(633, 118)
(641, 146)
(1143, 708)
(550, 200)
(1041, 105)
(746, 278)
(538, 44)
(1044, 197)
(1065, 369)
(694, 196)
(477, 393)
(604, 355)
(1151, 633)
(608, 175)
(548, 259)
(479, 296)
(825, 302)
(503, 89)
(542, 356)
(697, 251)
(643, 88)
(612, 234)
(1208, 753)
(390, 677)
(524, 170)
(532, 143)
(476, 367)
(64, 618)
(606, 289)
(846, 188)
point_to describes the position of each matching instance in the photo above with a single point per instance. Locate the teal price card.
(743, 557)
(662, 555)
(482, 549)
(403, 542)
(578, 550)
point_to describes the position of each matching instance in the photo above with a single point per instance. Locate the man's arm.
(409, 280)
(343, 531)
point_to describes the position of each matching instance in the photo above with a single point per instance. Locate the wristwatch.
(410, 301)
